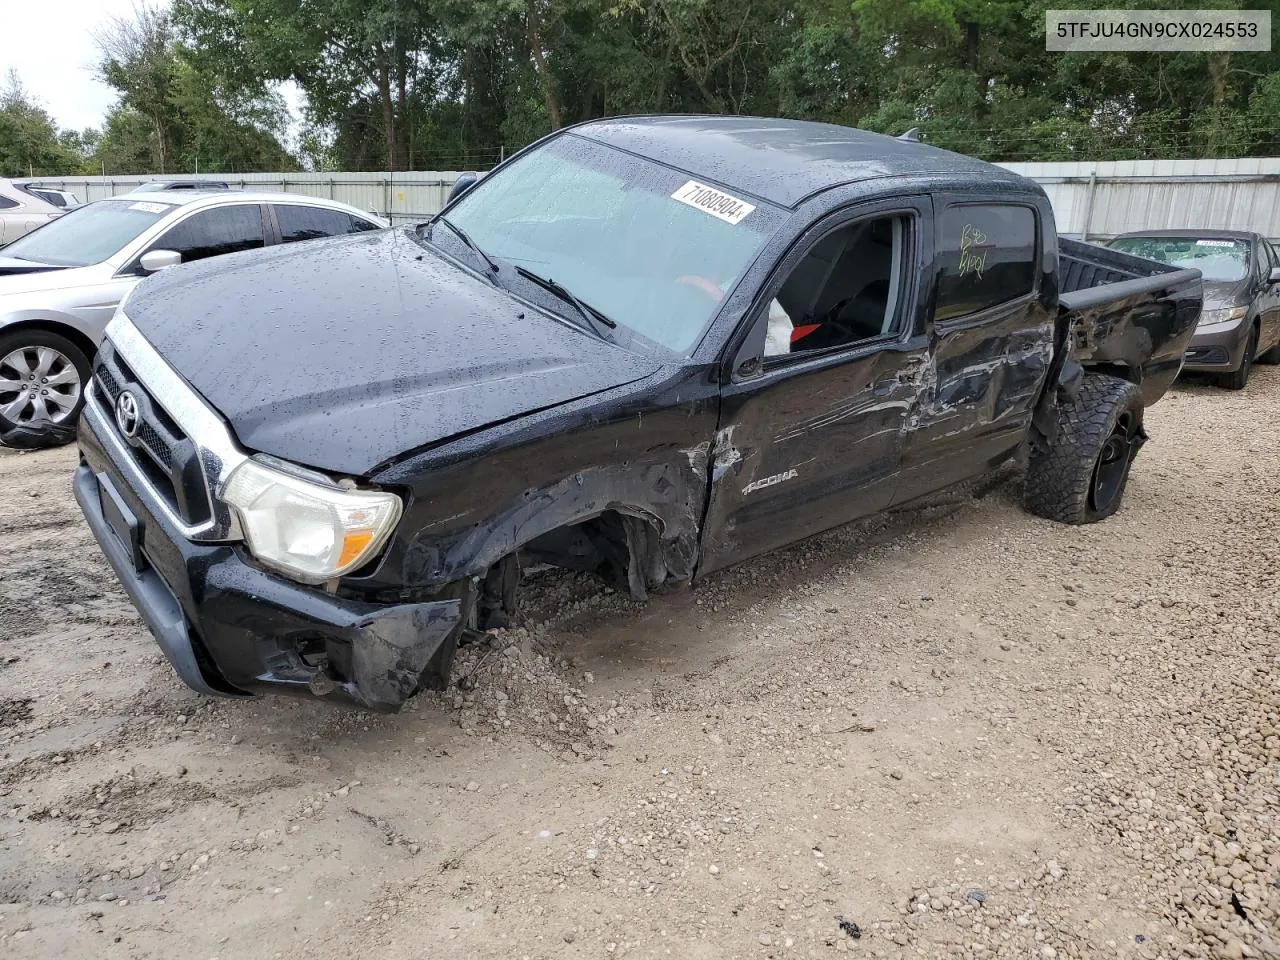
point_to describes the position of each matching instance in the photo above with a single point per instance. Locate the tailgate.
(1122, 310)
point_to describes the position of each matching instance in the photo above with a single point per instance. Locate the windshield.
(88, 234)
(644, 244)
(1217, 260)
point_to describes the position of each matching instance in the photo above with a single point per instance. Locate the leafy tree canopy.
(451, 84)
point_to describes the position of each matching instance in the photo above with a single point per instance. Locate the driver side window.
(844, 292)
(211, 233)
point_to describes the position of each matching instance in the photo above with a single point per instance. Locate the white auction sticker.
(1215, 243)
(147, 207)
(715, 202)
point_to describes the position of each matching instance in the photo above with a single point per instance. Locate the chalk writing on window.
(973, 251)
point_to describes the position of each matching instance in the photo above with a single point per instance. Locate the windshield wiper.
(471, 245)
(589, 313)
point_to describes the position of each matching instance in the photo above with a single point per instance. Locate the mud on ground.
(961, 730)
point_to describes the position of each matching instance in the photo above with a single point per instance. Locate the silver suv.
(22, 210)
(60, 284)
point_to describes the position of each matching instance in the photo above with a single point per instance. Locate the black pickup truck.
(644, 347)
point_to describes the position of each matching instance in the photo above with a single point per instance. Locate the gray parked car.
(1241, 318)
(60, 284)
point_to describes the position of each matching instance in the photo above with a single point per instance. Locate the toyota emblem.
(127, 413)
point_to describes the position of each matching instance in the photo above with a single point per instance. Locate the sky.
(56, 65)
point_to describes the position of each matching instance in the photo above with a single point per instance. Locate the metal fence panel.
(405, 196)
(1096, 200)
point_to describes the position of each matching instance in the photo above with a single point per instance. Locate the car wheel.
(42, 382)
(1081, 474)
(1237, 379)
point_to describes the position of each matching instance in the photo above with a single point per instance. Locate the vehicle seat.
(865, 314)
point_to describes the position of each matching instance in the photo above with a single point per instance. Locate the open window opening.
(846, 290)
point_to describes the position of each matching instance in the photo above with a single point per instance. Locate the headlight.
(1222, 315)
(309, 530)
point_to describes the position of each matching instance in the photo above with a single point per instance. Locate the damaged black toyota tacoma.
(645, 347)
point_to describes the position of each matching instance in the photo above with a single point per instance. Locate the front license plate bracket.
(121, 521)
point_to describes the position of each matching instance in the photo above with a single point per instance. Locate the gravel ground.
(955, 731)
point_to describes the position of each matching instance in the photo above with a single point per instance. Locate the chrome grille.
(203, 453)
(159, 448)
(155, 445)
(108, 381)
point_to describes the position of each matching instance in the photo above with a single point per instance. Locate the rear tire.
(43, 376)
(1238, 379)
(1081, 475)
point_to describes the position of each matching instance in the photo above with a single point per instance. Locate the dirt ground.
(965, 730)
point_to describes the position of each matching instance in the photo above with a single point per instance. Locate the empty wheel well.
(599, 545)
(622, 550)
(86, 346)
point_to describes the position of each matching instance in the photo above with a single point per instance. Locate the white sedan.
(60, 284)
(22, 210)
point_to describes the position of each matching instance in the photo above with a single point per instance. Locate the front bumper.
(1218, 346)
(231, 629)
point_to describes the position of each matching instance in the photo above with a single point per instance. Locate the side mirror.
(462, 185)
(154, 260)
(749, 369)
(1275, 275)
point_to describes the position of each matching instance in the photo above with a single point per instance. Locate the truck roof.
(782, 161)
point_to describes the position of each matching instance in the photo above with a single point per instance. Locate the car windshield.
(1218, 260)
(88, 234)
(648, 246)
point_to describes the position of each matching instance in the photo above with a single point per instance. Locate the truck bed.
(1084, 265)
(1127, 314)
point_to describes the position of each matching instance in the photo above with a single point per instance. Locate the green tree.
(178, 111)
(127, 143)
(30, 143)
(357, 60)
(139, 59)
(406, 82)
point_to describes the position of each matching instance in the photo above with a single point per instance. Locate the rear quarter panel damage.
(1125, 315)
(1140, 331)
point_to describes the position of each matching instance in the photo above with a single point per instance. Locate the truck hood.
(342, 354)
